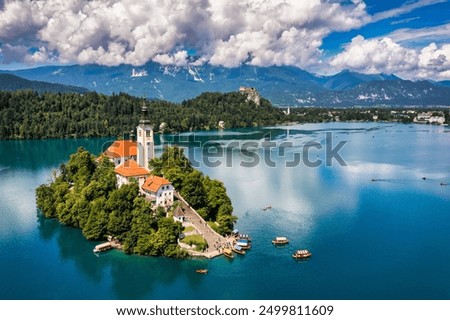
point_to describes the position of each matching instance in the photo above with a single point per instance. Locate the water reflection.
(324, 209)
(39, 154)
(130, 277)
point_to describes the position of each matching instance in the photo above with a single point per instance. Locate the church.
(131, 160)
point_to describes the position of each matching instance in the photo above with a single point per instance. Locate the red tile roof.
(130, 168)
(153, 183)
(122, 148)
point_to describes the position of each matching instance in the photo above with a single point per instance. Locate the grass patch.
(197, 240)
(188, 229)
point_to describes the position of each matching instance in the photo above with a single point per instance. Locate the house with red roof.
(121, 150)
(158, 190)
(130, 170)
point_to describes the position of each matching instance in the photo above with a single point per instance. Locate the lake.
(377, 221)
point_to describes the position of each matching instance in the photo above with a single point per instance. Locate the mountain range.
(282, 85)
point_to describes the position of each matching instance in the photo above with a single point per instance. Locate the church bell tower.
(145, 143)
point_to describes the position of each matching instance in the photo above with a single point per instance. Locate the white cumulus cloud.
(434, 60)
(375, 56)
(227, 33)
(387, 56)
(259, 32)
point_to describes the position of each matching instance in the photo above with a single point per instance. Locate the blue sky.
(425, 17)
(408, 38)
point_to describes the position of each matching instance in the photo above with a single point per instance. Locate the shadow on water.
(50, 152)
(48, 228)
(130, 276)
(72, 246)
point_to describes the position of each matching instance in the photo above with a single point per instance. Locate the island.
(138, 201)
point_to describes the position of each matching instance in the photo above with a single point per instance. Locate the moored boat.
(244, 244)
(301, 254)
(238, 249)
(280, 240)
(227, 253)
(244, 237)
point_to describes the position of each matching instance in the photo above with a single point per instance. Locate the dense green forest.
(83, 194)
(208, 197)
(30, 115)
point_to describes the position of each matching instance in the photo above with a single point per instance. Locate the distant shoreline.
(215, 130)
(29, 115)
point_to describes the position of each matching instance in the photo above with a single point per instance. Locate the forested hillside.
(30, 115)
(9, 82)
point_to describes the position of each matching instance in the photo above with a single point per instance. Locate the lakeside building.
(429, 118)
(131, 161)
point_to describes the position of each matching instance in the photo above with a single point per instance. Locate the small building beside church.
(130, 170)
(179, 215)
(121, 151)
(158, 190)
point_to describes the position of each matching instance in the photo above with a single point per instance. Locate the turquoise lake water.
(383, 239)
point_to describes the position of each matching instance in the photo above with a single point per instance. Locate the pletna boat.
(280, 240)
(244, 244)
(244, 237)
(301, 254)
(227, 253)
(238, 249)
(202, 271)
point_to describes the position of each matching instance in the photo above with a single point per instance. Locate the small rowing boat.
(202, 271)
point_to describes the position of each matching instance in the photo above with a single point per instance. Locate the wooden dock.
(112, 243)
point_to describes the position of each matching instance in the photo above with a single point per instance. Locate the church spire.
(144, 113)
